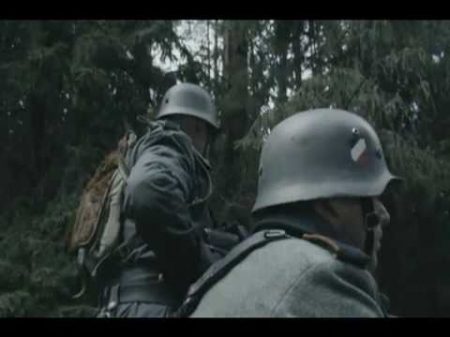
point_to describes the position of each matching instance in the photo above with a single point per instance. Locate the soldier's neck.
(295, 223)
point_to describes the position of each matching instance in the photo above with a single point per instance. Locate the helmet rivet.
(355, 131)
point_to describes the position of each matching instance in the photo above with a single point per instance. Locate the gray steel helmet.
(191, 100)
(321, 153)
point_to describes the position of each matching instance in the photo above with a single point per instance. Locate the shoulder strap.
(223, 266)
(340, 250)
(204, 165)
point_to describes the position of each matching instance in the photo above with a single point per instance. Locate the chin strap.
(371, 220)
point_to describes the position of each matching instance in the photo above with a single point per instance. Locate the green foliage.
(14, 304)
(70, 89)
(37, 276)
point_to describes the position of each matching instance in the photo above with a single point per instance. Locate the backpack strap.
(220, 268)
(128, 143)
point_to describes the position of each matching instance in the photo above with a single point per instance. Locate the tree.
(234, 101)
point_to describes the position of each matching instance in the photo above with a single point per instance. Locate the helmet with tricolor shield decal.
(321, 153)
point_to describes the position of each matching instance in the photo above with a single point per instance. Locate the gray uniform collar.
(296, 223)
(299, 223)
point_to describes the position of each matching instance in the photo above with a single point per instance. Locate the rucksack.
(94, 236)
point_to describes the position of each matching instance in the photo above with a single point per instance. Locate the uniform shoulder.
(167, 133)
(322, 252)
(335, 270)
(300, 251)
(326, 286)
(163, 142)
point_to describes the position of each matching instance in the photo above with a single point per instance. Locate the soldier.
(164, 210)
(318, 226)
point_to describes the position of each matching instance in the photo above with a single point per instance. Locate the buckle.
(123, 251)
(113, 300)
(274, 233)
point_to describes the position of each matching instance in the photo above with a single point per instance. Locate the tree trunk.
(281, 44)
(234, 103)
(208, 51)
(298, 54)
(216, 56)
